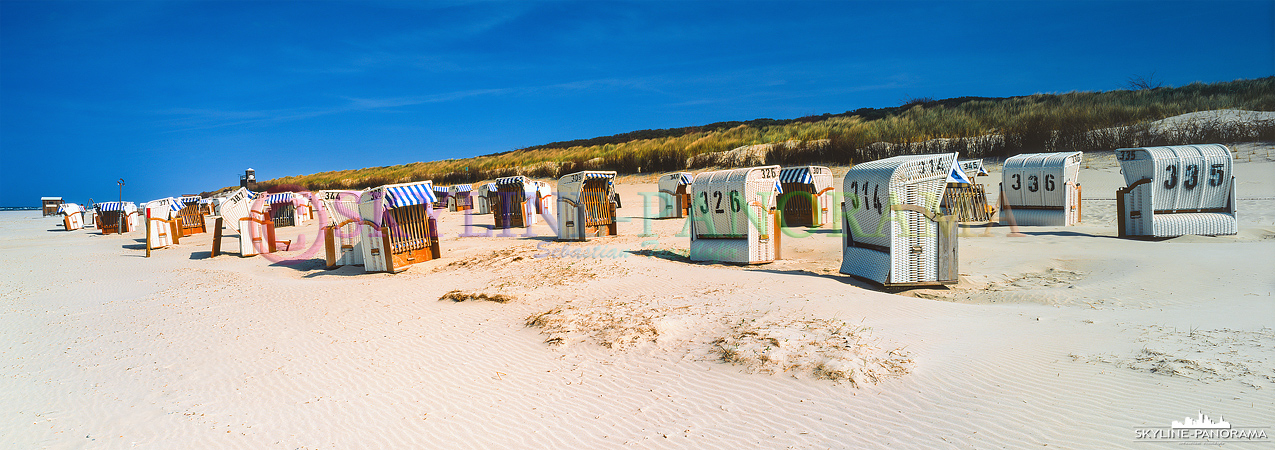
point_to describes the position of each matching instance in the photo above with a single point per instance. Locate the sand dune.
(1066, 337)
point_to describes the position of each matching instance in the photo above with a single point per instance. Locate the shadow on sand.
(663, 254)
(1066, 233)
(341, 271)
(302, 265)
(842, 278)
(206, 255)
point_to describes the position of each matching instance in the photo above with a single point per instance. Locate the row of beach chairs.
(898, 215)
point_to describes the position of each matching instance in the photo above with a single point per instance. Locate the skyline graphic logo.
(1202, 430)
(1201, 421)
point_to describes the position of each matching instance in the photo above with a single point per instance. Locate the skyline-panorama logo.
(1202, 430)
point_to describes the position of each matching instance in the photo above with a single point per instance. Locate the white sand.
(1065, 338)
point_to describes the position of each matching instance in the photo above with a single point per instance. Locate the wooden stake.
(216, 244)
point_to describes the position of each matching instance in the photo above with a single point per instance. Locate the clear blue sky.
(180, 97)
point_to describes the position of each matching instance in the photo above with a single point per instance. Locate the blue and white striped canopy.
(463, 188)
(512, 180)
(796, 175)
(598, 175)
(252, 195)
(779, 189)
(414, 194)
(687, 178)
(281, 197)
(69, 208)
(491, 187)
(110, 206)
(957, 175)
(190, 199)
(441, 189)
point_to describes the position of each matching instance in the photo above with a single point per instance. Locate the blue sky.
(180, 97)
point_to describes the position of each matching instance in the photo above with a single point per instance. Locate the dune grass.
(973, 127)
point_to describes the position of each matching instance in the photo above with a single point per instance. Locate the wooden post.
(148, 236)
(1079, 204)
(814, 210)
(1120, 226)
(612, 227)
(386, 251)
(270, 236)
(774, 213)
(434, 251)
(329, 235)
(216, 243)
(176, 230)
(948, 259)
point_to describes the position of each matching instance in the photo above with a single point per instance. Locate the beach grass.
(975, 127)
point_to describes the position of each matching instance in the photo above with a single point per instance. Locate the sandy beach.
(1066, 337)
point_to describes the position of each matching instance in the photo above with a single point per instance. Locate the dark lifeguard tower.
(248, 180)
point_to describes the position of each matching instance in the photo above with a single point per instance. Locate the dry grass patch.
(458, 296)
(498, 258)
(612, 327)
(520, 267)
(824, 348)
(1247, 356)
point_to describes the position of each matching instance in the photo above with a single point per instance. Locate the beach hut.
(340, 209)
(516, 201)
(1041, 189)
(245, 213)
(733, 216)
(544, 198)
(49, 205)
(306, 210)
(461, 198)
(208, 206)
(398, 229)
(675, 195)
(972, 167)
(807, 196)
(443, 195)
(1175, 191)
(163, 222)
(190, 216)
(895, 233)
(116, 217)
(484, 195)
(282, 209)
(586, 206)
(964, 198)
(72, 216)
